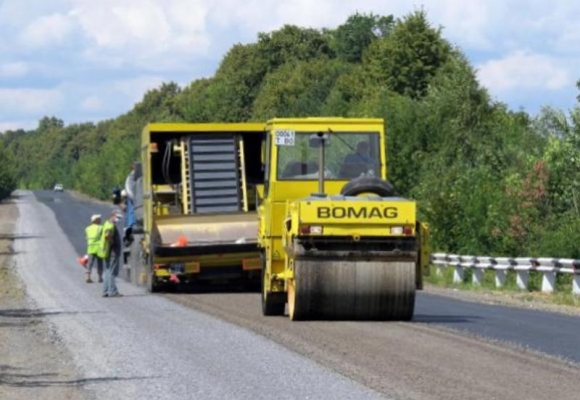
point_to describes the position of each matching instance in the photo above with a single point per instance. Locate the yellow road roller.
(336, 241)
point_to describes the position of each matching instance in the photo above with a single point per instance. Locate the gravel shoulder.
(143, 346)
(34, 364)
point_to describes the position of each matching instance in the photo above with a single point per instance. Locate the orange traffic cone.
(182, 241)
(83, 261)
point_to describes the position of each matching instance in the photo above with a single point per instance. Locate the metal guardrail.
(522, 266)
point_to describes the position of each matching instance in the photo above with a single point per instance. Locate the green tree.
(297, 89)
(291, 43)
(353, 37)
(160, 103)
(50, 123)
(193, 101)
(7, 173)
(410, 56)
(236, 84)
(562, 155)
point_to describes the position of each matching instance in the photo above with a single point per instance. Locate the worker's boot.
(100, 278)
(89, 280)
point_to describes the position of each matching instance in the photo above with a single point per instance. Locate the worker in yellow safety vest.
(110, 250)
(93, 235)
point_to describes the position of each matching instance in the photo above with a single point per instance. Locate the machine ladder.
(215, 174)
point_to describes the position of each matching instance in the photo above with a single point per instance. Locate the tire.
(126, 266)
(352, 290)
(135, 259)
(367, 184)
(272, 303)
(152, 285)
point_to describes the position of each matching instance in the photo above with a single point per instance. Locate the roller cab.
(340, 244)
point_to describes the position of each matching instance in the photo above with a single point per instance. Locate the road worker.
(93, 235)
(111, 251)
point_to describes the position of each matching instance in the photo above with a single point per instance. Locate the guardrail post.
(548, 281)
(477, 276)
(500, 277)
(576, 284)
(439, 260)
(458, 274)
(522, 278)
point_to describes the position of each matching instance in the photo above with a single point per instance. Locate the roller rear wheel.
(353, 290)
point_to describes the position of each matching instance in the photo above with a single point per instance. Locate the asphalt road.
(452, 349)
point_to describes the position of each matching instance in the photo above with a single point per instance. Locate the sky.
(88, 60)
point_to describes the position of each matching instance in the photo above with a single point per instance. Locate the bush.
(7, 174)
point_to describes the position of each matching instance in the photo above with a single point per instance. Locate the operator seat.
(296, 168)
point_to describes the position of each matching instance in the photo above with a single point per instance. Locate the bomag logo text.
(359, 213)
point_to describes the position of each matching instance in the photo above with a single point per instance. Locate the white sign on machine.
(284, 138)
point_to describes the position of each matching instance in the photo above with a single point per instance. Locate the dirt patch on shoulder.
(33, 365)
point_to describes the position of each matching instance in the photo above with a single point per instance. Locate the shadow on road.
(209, 288)
(27, 313)
(19, 323)
(443, 319)
(5, 236)
(18, 379)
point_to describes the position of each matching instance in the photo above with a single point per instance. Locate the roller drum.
(352, 290)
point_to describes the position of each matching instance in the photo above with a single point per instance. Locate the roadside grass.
(562, 294)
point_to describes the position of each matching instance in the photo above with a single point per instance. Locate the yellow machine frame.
(284, 204)
(156, 214)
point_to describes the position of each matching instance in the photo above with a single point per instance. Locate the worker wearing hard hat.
(93, 237)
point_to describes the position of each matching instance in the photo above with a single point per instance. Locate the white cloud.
(467, 21)
(47, 30)
(30, 101)
(143, 32)
(14, 69)
(524, 70)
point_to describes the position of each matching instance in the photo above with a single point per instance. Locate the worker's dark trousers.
(111, 272)
(94, 259)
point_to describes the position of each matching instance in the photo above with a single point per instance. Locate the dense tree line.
(489, 180)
